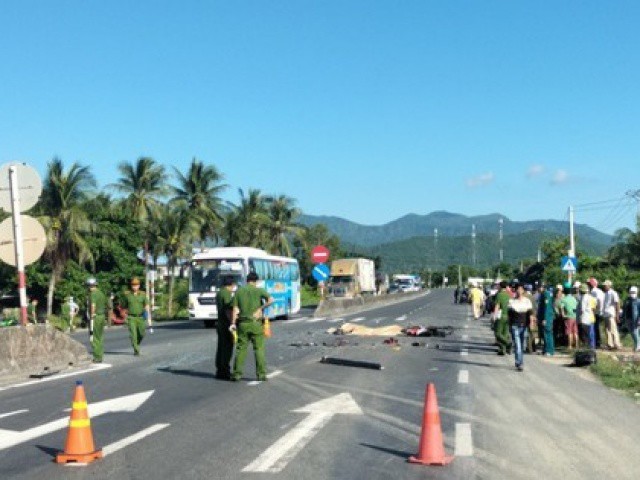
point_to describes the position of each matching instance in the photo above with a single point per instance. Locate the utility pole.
(459, 276)
(473, 245)
(572, 243)
(500, 224)
(435, 248)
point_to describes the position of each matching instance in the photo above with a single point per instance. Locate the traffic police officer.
(135, 301)
(247, 317)
(224, 302)
(96, 308)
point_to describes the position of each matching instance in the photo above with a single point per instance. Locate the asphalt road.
(548, 422)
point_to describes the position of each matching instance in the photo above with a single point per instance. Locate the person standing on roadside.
(532, 327)
(521, 314)
(587, 309)
(224, 352)
(96, 309)
(631, 314)
(249, 304)
(569, 305)
(611, 312)
(547, 319)
(599, 313)
(32, 310)
(501, 312)
(135, 301)
(476, 297)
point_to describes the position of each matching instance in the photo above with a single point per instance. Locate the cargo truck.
(351, 277)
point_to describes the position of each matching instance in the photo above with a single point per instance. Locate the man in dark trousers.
(224, 302)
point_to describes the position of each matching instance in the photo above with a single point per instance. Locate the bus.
(280, 276)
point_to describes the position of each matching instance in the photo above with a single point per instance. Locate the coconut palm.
(64, 218)
(200, 190)
(176, 231)
(246, 223)
(282, 224)
(144, 185)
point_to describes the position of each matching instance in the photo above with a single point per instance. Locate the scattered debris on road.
(420, 331)
(351, 363)
(353, 329)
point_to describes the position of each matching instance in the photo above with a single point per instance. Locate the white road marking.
(126, 403)
(464, 352)
(314, 320)
(295, 320)
(401, 318)
(358, 319)
(273, 374)
(278, 455)
(336, 320)
(464, 442)
(9, 414)
(94, 368)
(463, 376)
(125, 442)
(465, 337)
(466, 326)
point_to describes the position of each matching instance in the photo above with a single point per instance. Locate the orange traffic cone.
(431, 448)
(267, 328)
(79, 445)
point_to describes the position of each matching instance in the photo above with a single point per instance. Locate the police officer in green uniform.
(247, 317)
(96, 308)
(502, 323)
(135, 301)
(224, 302)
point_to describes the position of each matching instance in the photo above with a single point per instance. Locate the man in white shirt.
(599, 296)
(611, 312)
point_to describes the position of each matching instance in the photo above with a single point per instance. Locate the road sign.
(319, 254)
(29, 186)
(569, 264)
(321, 272)
(34, 240)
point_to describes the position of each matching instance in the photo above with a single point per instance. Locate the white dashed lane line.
(464, 442)
(463, 376)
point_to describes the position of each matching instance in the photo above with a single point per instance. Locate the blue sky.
(367, 110)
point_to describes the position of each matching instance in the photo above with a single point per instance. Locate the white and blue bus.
(280, 276)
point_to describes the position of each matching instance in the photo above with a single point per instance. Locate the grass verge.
(624, 376)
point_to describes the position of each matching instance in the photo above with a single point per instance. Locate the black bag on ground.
(583, 358)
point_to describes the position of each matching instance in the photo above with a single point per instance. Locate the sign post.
(320, 254)
(33, 187)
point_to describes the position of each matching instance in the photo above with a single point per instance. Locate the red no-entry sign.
(319, 254)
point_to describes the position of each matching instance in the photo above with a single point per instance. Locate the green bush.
(309, 296)
(623, 376)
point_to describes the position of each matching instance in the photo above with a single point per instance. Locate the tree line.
(148, 213)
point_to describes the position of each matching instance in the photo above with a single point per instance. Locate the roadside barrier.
(431, 447)
(79, 447)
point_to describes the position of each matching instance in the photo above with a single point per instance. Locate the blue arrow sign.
(569, 264)
(321, 272)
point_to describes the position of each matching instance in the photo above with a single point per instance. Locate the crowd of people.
(576, 315)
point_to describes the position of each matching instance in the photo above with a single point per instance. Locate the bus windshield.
(208, 275)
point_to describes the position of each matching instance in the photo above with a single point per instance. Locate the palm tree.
(176, 230)
(65, 220)
(200, 190)
(282, 224)
(144, 184)
(246, 223)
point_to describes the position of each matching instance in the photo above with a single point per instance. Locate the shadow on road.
(478, 364)
(52, 452)
(180, 325)
(187, 373)
(391, 451)
(477, 350)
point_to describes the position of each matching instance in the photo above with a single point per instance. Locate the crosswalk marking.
(464, 442)
(463, 376)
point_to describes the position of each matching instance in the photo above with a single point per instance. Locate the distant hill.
(414, 254)
(448, 225)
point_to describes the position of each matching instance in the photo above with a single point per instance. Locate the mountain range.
(408, 243)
